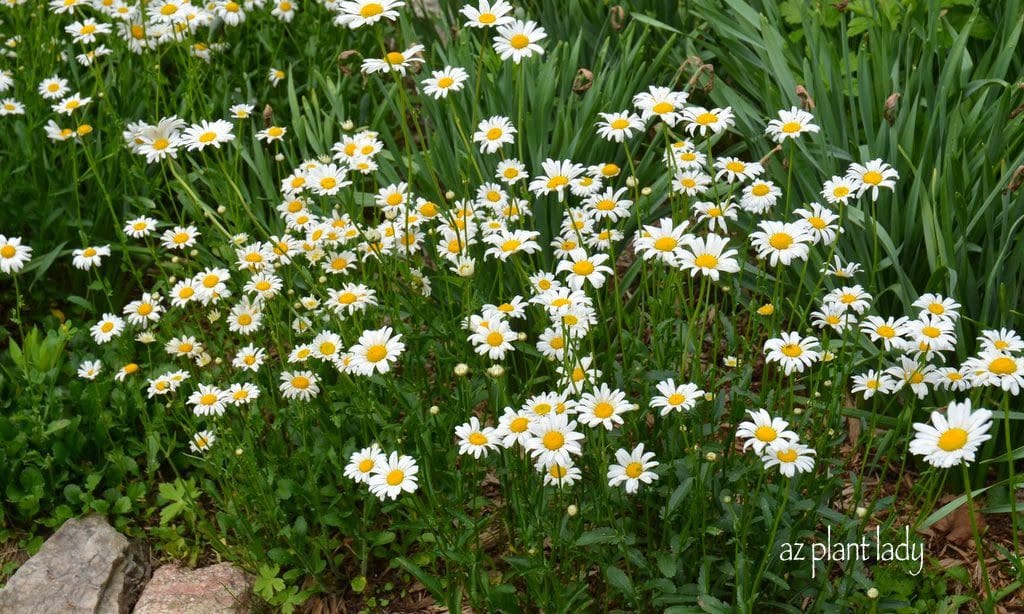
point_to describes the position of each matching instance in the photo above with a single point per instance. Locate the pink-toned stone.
(217, 589)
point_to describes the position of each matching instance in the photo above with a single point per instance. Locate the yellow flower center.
(168, 9)
(663, 107)
(130, 368)
(445, 82)
(185, 348)
(396, 477)
(792, 350)
(605, 205)
(872, 177)
(541, 408)
(107, 327)
(916, 377)
(145, 309)
(610, 170)
(557, 343)
(557, 471)
(275, 131)
(510, 245)
(780, 240)
(953, 439)
(736, 167)
(603, 410)
(840, 191)
(760, 189)
(487, 18)
(787, 456)
(231, 7)
(208, 399)
(245, 319)
(791, 127)
(88, 29)
(495, 339)
(665, 244)
(161, 385)
(89, 252)
(553, 440)
(706, 119)
(634, 469)
(395, 57)
(557, 181)
(583, 267)
(494, 134)
(688, 182)
(249, 360)
(766, 433)
(186, 292)
(931, 331)
(161, 144)
(519, 41)
(371, 9)
(766, 310)
(519, 425)
(263, 285)
(477, 439)
(706, 261)
(366, 465)
(1003, 366)
(300, 381)
(620, 124)
(817, 222)
(1001, 345)
(328, 183)
(211, 280)
(376, 353)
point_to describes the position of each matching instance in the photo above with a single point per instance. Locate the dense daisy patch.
(434, 341)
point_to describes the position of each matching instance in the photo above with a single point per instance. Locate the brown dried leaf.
(853, 430)
(806, 101)
(890, 107)
(583, 81)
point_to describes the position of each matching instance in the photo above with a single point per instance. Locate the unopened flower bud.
(434, 410)
(572, 510)
(461, 369)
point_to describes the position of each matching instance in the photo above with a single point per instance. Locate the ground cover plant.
(522, 306)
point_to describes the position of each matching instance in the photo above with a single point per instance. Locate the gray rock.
(86, 566)
(217, 589)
